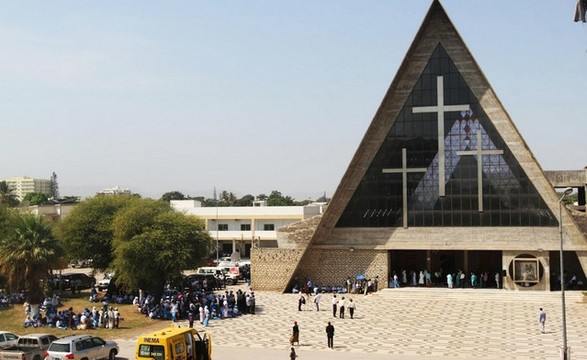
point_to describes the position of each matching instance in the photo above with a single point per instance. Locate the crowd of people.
(197, 305)
(459, 279)
(106, 317)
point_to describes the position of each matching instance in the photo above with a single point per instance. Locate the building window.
(222, 227)
(269, 227)
(245, 227)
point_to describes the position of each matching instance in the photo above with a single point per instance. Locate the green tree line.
(143, 241)
(226, 198)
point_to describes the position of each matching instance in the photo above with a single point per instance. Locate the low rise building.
(242, 227)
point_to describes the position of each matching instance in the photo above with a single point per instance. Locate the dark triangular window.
(456, 172)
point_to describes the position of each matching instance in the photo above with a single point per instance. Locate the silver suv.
(81, 347)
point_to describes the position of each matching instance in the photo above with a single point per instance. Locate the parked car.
(7, 339)
(82, 347)
(230, 277)
(67, 281)
(29, 347)
(104, 283)
(197, 280)
(84, 263)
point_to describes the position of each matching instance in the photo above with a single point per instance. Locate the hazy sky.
(255, 96)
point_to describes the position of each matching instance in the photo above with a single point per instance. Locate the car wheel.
(112, 355)
(37, 357)
(234, 282)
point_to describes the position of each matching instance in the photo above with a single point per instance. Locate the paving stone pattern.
(436, 322)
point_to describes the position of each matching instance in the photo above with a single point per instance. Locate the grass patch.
(133, 325)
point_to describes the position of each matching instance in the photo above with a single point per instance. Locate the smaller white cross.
(479, 154)
(404, 171)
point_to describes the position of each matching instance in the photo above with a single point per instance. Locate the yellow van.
(174, 344)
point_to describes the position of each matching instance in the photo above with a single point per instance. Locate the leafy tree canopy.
(150, 231)
(87, 231)
(276, 199)
(246, 200)
(173, 195)
(36, 198)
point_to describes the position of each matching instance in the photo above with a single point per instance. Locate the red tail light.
(46, 354)
(69, 356)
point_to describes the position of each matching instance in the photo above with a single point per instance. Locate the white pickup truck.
(29, 347)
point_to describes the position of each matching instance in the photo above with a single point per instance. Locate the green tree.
(7, 197)
(246, 200)
(87, 231)
(4, 220)
(27, 252)
(173, 195)
(227, 198)
(150, 232)
(276, 199)
(54, 187)
(35, 198)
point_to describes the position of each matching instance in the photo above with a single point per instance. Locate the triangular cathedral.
(441, 183)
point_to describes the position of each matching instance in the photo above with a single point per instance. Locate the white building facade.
(23, 185)
(241, 227)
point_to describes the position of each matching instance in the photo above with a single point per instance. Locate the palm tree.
(28, 251)
(6, 195)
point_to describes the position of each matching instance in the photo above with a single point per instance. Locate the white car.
(7, 339)
(104, 283)
(82, 347)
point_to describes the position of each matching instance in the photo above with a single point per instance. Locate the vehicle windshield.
(156, 352)
(59, 347)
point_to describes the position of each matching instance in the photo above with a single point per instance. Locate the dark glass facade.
(508, 196)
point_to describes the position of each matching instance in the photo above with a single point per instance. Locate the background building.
(115, 191)
(23, 185)
(242, 227)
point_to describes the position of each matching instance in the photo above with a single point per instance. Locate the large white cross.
(479, 154)
(404, 171)
(440, 109)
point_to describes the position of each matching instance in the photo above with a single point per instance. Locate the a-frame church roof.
(418, 93)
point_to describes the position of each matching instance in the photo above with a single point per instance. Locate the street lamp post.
(564, 350)
(217, 226)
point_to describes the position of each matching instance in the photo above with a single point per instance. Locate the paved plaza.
(408, 324)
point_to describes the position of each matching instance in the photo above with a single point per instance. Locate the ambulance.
(174, 343)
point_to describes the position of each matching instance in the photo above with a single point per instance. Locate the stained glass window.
(481, 182)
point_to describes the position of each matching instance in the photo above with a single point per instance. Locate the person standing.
(292, 354)
(421, 279)
(341, 308)
(542, 320)
(301, 301)
(295, 336)
(334, 302)
(330, 335)
(449, 280)
(351, 308)
(317, 301)
(395, 281)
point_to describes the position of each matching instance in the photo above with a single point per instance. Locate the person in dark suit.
(330, 335)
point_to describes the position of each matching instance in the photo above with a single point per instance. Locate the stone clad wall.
(331, 267)
(271, 268)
